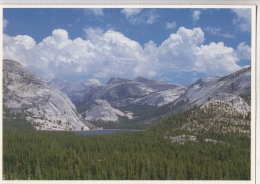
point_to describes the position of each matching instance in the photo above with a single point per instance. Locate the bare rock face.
(101, 110)
(122, 92)
(47, 108)
(118, 89)
(232, 104)
(225, 89)
(181, 139)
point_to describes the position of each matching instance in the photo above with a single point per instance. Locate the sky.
(177, 45)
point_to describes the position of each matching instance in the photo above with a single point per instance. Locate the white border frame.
(255, 135)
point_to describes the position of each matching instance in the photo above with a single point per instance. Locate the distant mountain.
(139, 101)
(209, 110)
(120, 89)
(102, 110)
(228, 89)
(74, 90)
(47, 108)
(115, 80)
(120, 92)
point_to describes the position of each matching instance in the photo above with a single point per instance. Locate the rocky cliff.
(47, 108)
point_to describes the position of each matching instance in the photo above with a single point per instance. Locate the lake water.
(104, 131)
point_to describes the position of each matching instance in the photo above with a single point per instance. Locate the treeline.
(146, 155)
(205, 125)
(144, 116)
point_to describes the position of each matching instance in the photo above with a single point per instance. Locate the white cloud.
(243, 51)
(184, 51)
(178, 50)
(25, 40)
(170, 25)
(214, 31)
(217, 32)
(93, 34)
(196, 15)
(129, 12)
(15, 49)
(106, 54)
(243, 20)
(5, 22)
(97, 11)
(215, 59)
(135, 16)
(152, 18)
(151, 49)
(228, 35)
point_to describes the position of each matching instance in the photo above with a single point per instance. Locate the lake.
(104, 131)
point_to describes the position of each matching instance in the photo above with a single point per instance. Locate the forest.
(146, 155)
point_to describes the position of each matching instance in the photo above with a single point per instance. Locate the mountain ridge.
(226, 89)
(118, 98)
(74, 90)
(120, 92)
(45, 107)
(205, 89)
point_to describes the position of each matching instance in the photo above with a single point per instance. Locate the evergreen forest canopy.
(146, 155)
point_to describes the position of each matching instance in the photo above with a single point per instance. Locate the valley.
(196, 132)
(193, 145)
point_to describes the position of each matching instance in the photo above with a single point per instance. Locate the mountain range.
(48, 106)
(118, 93)
(74, 90)
(228, 89)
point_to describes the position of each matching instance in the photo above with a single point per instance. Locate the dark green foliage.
(16, 122)
(115, 125)
(247, 98)
(146, 155)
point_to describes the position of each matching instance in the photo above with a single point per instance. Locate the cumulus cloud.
(15, 49)
(243, 20)
(170, 25)
(243, 51)
(196, 15)
(93, 34)
(25, 40)
(216, 58)
(105, 54)
(178, 50)
(5, 22)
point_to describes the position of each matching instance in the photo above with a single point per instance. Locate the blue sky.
(172, 45)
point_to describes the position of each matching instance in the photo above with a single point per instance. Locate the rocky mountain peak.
(216, 88)
(74, 90)
(47, 108)
(241, 72)
(203, 82)
(19, 70)
(115, 80)
(144, 80)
